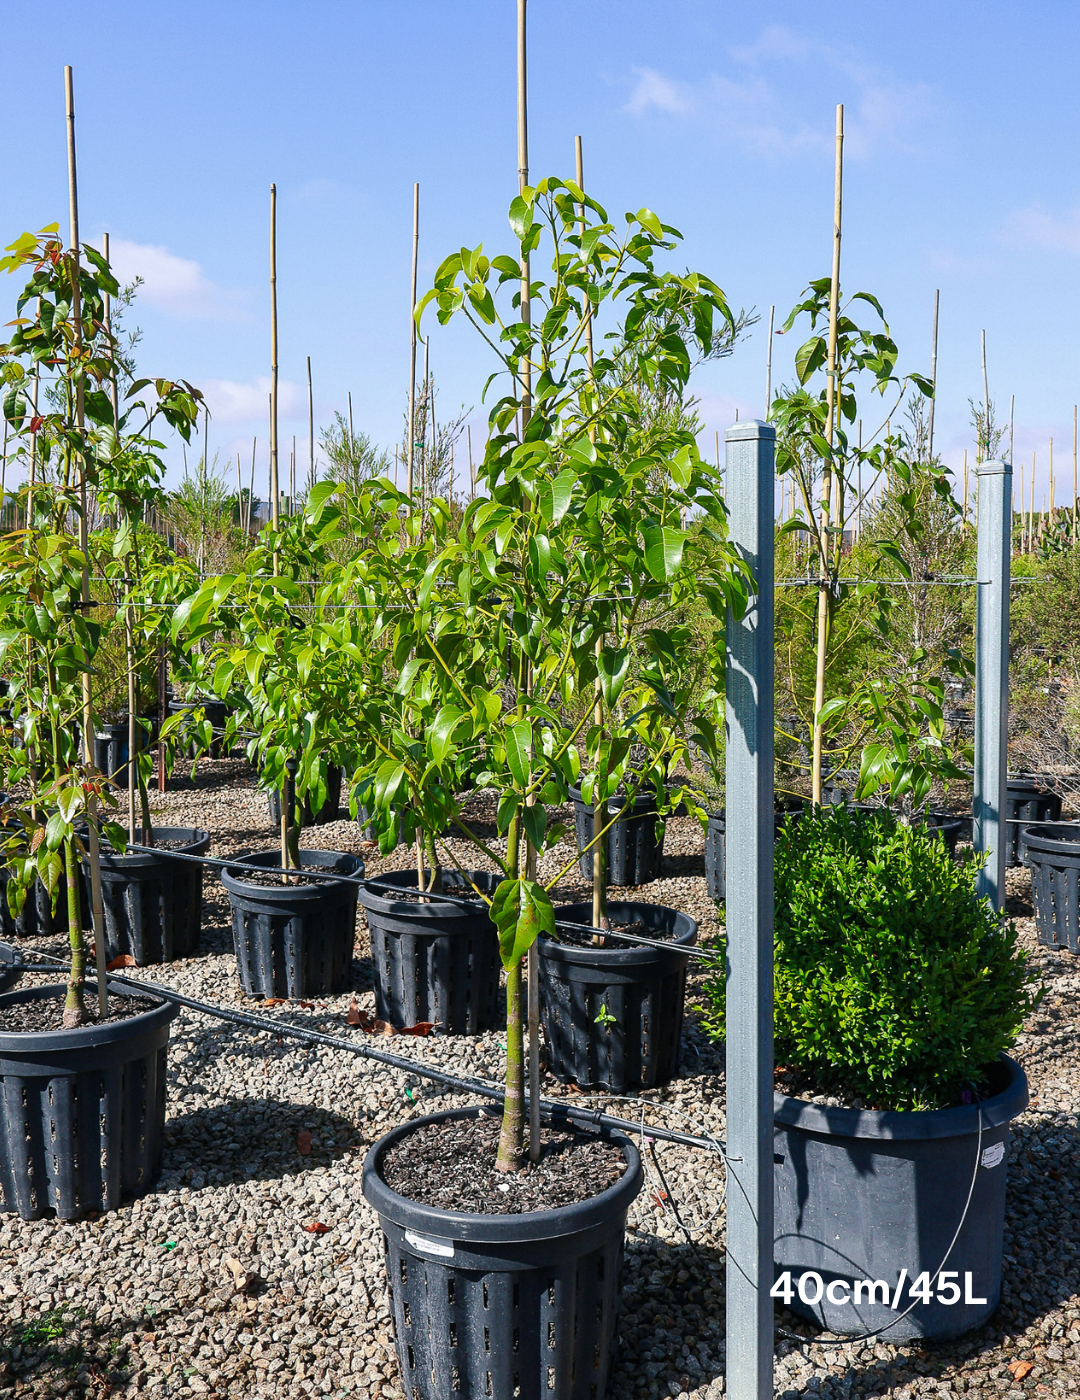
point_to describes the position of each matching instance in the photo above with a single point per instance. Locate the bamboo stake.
(1021, 508)
(88, 715)
(858, 515)
(1031, 512)
(273, 365)
(239, 494)
(292, 478)
(1051, 483)
(3, 477)
(768, 367)
(352, 435)
(965, 487)
(395, 468)
(1074, 474)
(310, 429)
(251, 488)
(933, 376)
(1012, 424)
(412, 341)
(826, 484)
(472, 468)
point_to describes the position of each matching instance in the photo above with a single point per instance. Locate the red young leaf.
(303, 1143)
(317, 1228)
(36, 422)
(124, 960)
(658, 1199)
(421, 1028)
(306, 1005)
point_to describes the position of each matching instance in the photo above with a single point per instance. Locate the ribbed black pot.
(1028, 799)
(642, 988)
(36, 918)
(11, 967)
(294, 940)
(151, 900)
(1052, 854)
(327, 812)
(435, 961)
(215, 711)
(502, 1306)
(634, 849)
(716, 845)
(876, 1198)
(111, 747)
(947, 825)
(82, 1111)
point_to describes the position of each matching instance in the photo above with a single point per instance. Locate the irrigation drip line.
(554, 1109)
(463, 902)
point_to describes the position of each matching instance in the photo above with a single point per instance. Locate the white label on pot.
(992, 1155)
(442, 1248)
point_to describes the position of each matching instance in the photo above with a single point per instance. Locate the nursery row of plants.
(557, 640)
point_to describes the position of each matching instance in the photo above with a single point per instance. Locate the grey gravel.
(211, 1285)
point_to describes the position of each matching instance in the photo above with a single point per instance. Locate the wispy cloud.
(751, 108)
(952, 264)
(230, 402)
(1037, 228)
(173, 284)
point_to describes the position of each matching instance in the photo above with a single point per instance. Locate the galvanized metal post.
(750, 448)
(992, 674)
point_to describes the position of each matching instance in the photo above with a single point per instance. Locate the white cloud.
(173, 284)
(654, 90)
(952, 264)
(230, 402)
(1037, 227)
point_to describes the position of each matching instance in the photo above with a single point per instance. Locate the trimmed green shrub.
(894, 982)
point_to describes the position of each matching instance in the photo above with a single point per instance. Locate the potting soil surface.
(47, 1013)
(272, 876)
(451, 1165)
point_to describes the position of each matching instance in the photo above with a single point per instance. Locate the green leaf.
(521, 911)
(663, 551)
(534, 820)
(613, 665)
(555, 497)
(441, 733)
(387, 781)
(518, 745)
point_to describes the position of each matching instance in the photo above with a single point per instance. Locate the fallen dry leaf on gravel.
(124, 960)
(1020, 1368)
(317, 1228)
(303, 1143)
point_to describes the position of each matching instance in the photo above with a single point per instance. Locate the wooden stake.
(292, 478)
(827, 475)
(768, 366)
(1031, 512)
(310, 429)
(933, 377)
(239, 494)
(274, 491)
(472, 468)
(1051, 483)
(251, 489)
(1021, 507)
(965, 487)
(1012, 424)
(412, 343)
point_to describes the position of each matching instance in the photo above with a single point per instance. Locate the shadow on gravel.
(64, 1350)
(237, 1140)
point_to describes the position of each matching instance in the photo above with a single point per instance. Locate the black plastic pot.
(435, 961)
(111, 748)
(877, 1197)
(11, 966)
(642, 988)
(82, 1112)
(294, 940)
(501, 1306)
(1052, 853)
(1028, 799)
(214, 710)
(947, 825)
(716, 845)
(328, 812)
(36, 918)
(634, 849)
(152, 902)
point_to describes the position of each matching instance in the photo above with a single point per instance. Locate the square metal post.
(750, 449)
(992, 674)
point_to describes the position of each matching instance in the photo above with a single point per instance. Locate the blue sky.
(962, 131)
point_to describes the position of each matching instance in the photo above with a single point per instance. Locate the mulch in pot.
(47, 1014)
(271, 876)
(451, 1165)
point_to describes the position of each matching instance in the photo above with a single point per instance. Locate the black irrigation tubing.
(462, 901)
(551, 1107)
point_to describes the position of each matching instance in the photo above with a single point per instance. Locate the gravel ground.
(216, 1285)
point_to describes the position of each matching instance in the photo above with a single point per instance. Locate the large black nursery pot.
(11, 966)
(435, 961)
(83, 1111)
(215, 711)
(152, 900)
(1052, 853)
(642, 988)
(111, 747)
(867, 1204)
(501, 1306)
(328, 812)
(1027, 799)
(716, 844)
(37, 917)
(634, 848)
(294, 940)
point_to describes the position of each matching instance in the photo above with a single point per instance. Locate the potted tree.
(472, 1230)
(898, 992)
(268, 640)
(74, 1137)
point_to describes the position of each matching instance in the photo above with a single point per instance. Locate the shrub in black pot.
(293, 937)
(1052, 854)
(432, 960)
(635, 842)
(83, 1112)
(613, 1015)
(152, 900)
(897, 993)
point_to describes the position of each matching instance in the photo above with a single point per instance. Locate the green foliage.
(894, 982)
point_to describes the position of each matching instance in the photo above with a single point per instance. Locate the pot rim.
(644, 802)
(1050, 838)
(382, 903)
(21, 1043)
(472, 1228)
(132, 860)
(907, 1125)
(635, 953)
(236, 881)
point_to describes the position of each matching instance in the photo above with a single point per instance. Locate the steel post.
(992, 674)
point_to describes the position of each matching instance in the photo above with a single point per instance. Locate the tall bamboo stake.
(933, 377)
(88, 715)
(352, 435)
(239, 494)
(1051, 483)
(274, 493)
(292, 478)
(412, 341)
(1031, 512)
(768, 366)
(310, 429)
(472, 468)
(965, 487)
(1021, 507)
(251, 488)
(1012, 424)
(826, 483)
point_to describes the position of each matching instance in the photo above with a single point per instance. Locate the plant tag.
(992, 1155)
(441, 1248)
